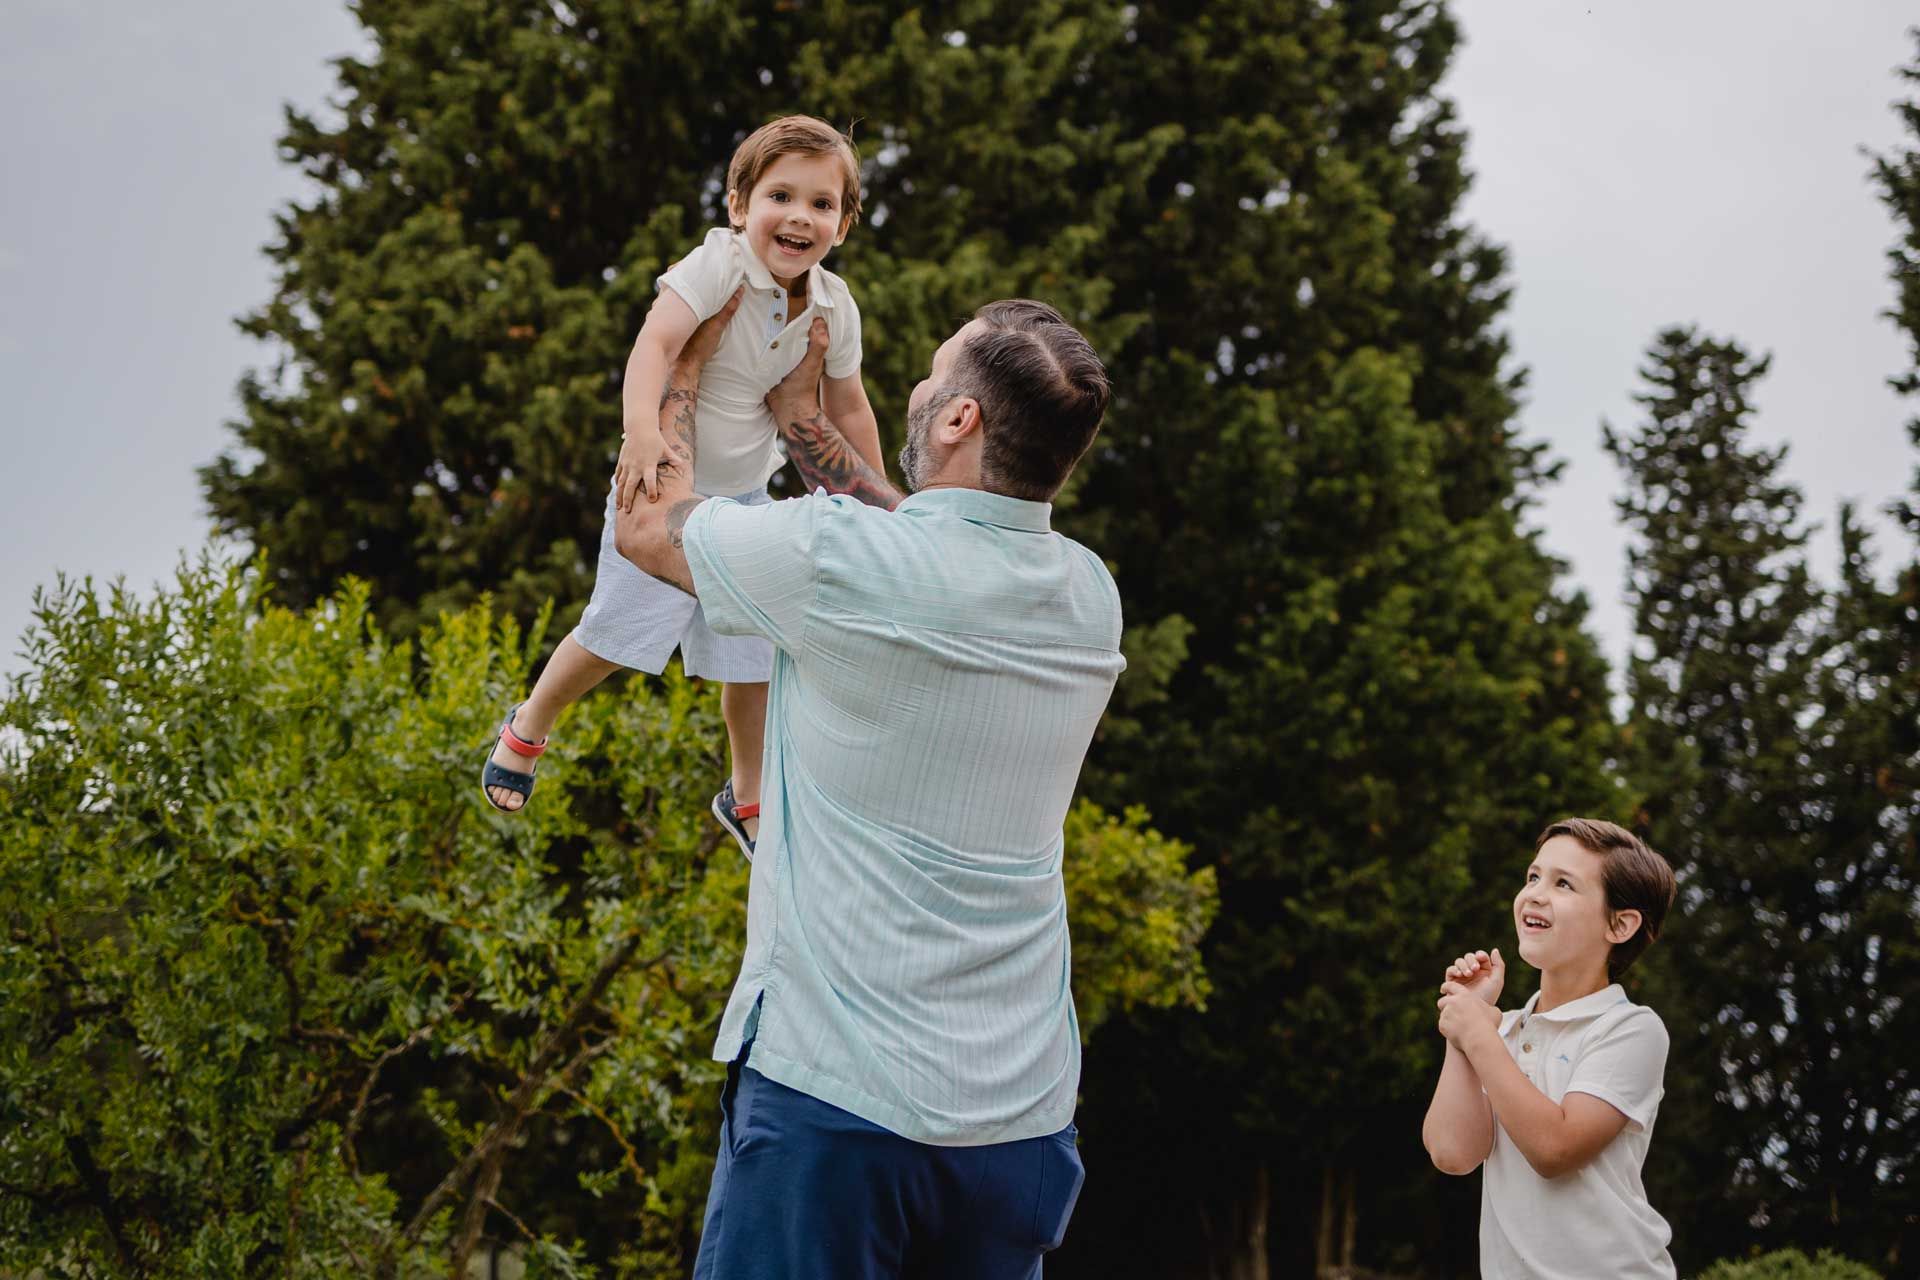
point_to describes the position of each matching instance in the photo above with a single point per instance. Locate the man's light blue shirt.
(938, 674)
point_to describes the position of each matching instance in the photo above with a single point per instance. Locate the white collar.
(1587, 1006)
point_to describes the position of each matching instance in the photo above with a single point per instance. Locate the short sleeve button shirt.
(938, 674)
(1594, 1223)
(764, 341)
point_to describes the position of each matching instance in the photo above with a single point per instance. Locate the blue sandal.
(734, 817)
(521, 784)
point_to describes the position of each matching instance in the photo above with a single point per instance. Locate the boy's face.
(1561, 913)
(794, 213)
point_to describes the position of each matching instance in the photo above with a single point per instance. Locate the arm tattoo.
(683, 388)
(672, 567)
(825, 459)
(677, 522)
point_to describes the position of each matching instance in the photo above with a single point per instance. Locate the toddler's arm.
(845, 402)
(669, 323)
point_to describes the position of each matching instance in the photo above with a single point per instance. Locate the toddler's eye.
(824, 205)
(1565, 885)
(780, 197)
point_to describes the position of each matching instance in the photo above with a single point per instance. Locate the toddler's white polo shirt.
(734, 444)
(1594, 1223)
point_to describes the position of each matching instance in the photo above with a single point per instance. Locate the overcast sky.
(1646, 163)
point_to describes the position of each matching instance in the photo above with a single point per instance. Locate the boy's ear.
(736, 207)
(1623, 925)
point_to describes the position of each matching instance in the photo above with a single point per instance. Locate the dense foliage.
(279, 992)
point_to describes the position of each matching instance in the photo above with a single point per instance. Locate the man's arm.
(845, 403)
(816, 447)
(650, 533)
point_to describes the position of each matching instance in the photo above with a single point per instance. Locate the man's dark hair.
(1042, 392)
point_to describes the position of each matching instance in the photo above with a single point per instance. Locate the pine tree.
(1760, 732)
(1382, 698)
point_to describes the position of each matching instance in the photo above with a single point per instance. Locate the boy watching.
(1558, 1098)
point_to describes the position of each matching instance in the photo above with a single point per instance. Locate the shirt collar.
(1591, 1006)
(760, 278)
(982, 507)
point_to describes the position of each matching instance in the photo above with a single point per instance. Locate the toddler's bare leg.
(745, 707)
(569, 674)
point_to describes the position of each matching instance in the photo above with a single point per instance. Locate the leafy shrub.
(1790, 1264)
(279, 991)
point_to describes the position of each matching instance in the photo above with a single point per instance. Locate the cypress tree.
(1761, 737)
(1720, 687)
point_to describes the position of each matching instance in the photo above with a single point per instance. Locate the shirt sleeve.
(707, 277)
(1623, 1065)
(843, 349)
(756, 568)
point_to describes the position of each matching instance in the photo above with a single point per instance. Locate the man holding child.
(902, 1045)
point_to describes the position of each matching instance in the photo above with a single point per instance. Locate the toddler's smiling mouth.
(1532, 921)
(792, 244)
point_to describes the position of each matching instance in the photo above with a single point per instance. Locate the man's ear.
(1623, 925)
(960, 419)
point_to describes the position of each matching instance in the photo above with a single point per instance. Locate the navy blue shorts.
(806, 1191)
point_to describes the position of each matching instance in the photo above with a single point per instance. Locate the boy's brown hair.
(1632, 876)
(794, 135)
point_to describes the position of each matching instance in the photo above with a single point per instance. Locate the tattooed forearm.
(677, 522)
(656, 544)
(825, 459)
(677, 405)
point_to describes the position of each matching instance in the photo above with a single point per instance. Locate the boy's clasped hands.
(1470, 996)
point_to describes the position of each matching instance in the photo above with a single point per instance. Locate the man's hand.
(1478, 973)
(1464, 1017)
(797, 396)
(705, 341)
(815, 446)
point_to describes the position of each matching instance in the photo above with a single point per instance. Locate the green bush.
(1790, 1264)
(280, 992)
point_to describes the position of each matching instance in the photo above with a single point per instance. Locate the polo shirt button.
(776, 343)
(1527, 1047)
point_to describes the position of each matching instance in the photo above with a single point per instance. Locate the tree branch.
(518, 1106)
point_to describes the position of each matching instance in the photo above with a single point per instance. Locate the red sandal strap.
(745, 811)
(519, 745)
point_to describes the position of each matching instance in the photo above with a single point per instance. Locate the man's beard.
(913, 454)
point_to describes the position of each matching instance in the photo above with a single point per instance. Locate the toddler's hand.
(1478, 973)
(641, 456)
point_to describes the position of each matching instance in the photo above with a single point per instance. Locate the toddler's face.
(1560, 912)
(794, 214)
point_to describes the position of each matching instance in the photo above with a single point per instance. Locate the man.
(904, 1050)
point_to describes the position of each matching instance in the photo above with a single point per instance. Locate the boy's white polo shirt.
(765, 339)
(1594, 1222)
